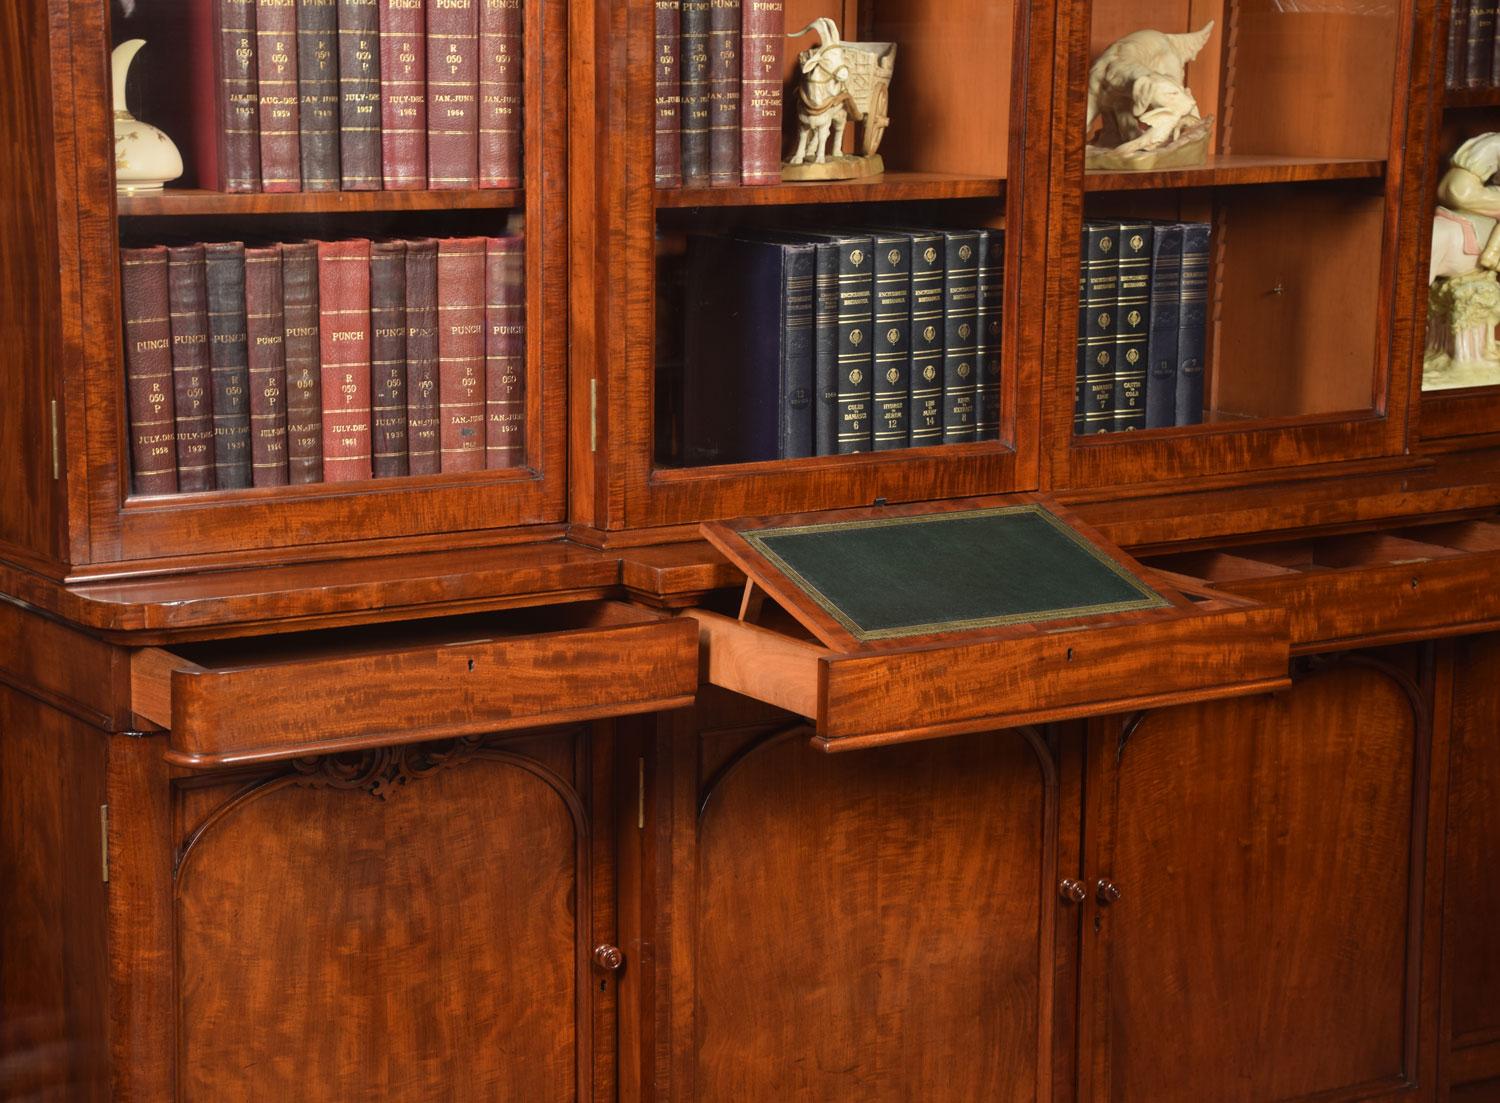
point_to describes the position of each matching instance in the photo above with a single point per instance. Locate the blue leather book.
(960, 334)
(991, 296)
(925, 368)
(748, 350)
(892, 337)
(1096, 328)
(1192, 328)
(1161, 342)
(1132, 324)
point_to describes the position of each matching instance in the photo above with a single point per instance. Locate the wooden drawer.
(1362, 588)
(319, 692)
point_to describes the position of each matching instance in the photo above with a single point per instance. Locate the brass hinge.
(56, 445)
(640, 794)
(593, 415)
(104, 840)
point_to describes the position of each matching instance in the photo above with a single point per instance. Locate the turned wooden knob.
(608, 958)
(1106, 892)
(1073, 891)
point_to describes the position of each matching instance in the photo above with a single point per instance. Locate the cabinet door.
(1472, 900)
(404, 923)
(1268, 854)
(861, 926)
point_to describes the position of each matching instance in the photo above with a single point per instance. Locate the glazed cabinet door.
(853, 926)
(414, 922)
(1258, 890)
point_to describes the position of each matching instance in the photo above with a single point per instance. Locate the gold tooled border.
(1149, 599)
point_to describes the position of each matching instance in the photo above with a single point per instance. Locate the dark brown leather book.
(668, 94)
(148, 370)
(760, 92)
(192, 382)
(388, 358)
(224, 275)
(265, 334)
(505, 353)
(422, 423)
(724, 93)
(238, 147)
(280, 102)
(453, 94)
(359, 95)
(460, 280)
(344, 332)
(304, 386)
(318, 90)
(403, 92)
(500, 114)
(694, 105)
(1480, 43)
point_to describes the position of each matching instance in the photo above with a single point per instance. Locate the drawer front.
(626, 661)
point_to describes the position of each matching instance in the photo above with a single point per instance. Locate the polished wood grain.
(887, 188)
(1238, 170)
(193, 201)
(1307, 844)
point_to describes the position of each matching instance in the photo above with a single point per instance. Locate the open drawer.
(339, 689)
(1368, 587)
(914, 621)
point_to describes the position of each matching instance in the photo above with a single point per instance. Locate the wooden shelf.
(1239, 169)
(890, 187)
(193, 201)
(1471, 97)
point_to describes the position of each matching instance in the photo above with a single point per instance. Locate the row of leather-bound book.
(329, 361)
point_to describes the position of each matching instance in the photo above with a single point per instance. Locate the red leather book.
(668, 94)
(359, 95)
(500, 114)
(460, 280)
(304, 397)
(422, 422)
(505, 353)
(403, 93)
(224, 274)
(760, 92)
(388, 358)
(318, 89)
(280, 103)
(344, 340)
(453, 94)
(192, 383)
(148, 370)
(265, 334)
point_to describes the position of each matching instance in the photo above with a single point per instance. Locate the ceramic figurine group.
(1463, 290)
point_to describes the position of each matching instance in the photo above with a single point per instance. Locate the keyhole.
(1070, 654)
(471, 664)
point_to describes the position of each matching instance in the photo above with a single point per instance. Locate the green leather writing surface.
(911, 576)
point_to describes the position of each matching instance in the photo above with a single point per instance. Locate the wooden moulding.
(326, 692)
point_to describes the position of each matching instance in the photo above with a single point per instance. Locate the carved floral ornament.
(379, 771)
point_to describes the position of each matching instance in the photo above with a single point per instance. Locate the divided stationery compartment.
(322, 692)
(1360, 588)
(1197, 643)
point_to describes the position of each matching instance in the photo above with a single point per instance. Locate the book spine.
(148, 370)
(1132, 322)
(799, 276)
(304, 377)
(505, 353)
(926, 370)
(1458, 37)
(695, 95)
(461, 298)
(239, 96)
(1161, 341)
(826, 349)
(892, 337)
(760, 92)
(265, 332)
(991, 324)
(359, 95)
(668, 94)
(724, 92)
(1192, 332)
(452, 94)
(224, 276)
(1479, 43)
(855, 359)
(960, 334)
(388, 445)
(1096, 327)
(422, 441)
(192, 394)
(318, 90)
(1494, 70)
(280, 102)
(403, 94)
(500, 93)
(344, 347)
